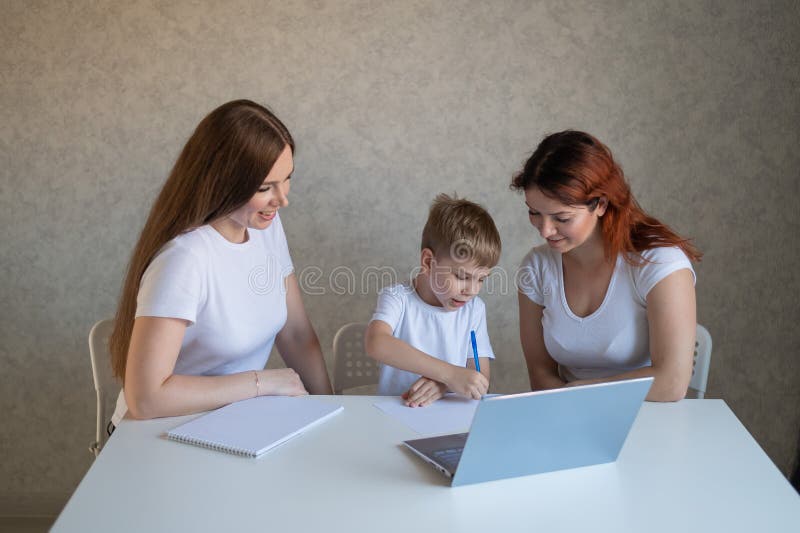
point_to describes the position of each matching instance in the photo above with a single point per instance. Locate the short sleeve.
(478, 325)
(281, 247)
(172, 286)
(529, 277)
(391, 304)
(659, 263)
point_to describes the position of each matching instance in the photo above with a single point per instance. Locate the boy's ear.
(425, 259)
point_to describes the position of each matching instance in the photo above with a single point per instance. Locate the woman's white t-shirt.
(232, 294)
(613, 339)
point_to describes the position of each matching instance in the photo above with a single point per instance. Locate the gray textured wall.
(390, 104)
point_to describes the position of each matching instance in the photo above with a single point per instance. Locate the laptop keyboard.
(449, 457)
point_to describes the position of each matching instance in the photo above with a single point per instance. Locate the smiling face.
(564, 227)
(448, 283)
(260, 210)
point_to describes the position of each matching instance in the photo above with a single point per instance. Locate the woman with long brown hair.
(610, 295)
(210, 286)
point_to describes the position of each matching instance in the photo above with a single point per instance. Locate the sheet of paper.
(451, 414)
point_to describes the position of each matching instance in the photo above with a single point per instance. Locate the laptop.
(536, 432)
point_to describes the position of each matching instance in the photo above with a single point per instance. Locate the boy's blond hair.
(463, 230)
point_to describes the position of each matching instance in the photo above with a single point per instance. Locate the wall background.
(390, 104)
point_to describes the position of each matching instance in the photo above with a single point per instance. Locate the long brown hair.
(221, 167)
(576, 169)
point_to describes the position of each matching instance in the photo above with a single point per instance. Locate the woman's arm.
(298, 344)
(542, 369)
(382, 346)
(672, 322)
(152, 390)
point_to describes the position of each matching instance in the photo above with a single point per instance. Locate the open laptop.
(535, 432)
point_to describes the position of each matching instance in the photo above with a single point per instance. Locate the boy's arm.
(485, 366)
(425, 391)
(382, 346)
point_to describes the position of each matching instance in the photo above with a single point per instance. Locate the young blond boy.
(420, 332)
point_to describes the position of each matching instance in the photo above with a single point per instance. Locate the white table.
(689, 466)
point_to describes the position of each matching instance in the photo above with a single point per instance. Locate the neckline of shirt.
(217, 237)
(428, 307)
(562, 290)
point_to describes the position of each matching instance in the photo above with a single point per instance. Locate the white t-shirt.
(232, 294)
(433, 330)
(615, 338)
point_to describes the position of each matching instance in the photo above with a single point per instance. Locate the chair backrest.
(352, 367)
(105, 385)
(702, 361)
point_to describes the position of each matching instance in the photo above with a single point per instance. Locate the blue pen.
(475, 350)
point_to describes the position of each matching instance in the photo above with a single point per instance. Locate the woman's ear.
(602, 205)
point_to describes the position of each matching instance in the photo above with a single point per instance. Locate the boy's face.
(453, 283)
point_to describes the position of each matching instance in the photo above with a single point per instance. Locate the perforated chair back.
(352, 367)
(105, 385)
(702, 361)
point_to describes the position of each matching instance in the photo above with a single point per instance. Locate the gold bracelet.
(258, 384)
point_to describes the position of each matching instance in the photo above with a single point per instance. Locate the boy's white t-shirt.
(433, 330)
(232, 294)
(615, 338)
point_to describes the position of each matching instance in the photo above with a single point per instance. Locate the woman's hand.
(281, 382)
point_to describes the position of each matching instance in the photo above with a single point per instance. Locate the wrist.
(257, 383)
(447, 375)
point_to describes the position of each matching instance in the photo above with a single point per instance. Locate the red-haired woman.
(210, 286)
(610, 295)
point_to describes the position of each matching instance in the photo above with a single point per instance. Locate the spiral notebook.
(252, 427)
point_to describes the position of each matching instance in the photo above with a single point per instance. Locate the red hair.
(576, 169)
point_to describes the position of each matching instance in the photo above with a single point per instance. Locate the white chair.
(702, 361)
(105, 385)
(352, 367)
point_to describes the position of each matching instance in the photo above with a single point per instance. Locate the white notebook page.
(251, 427)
